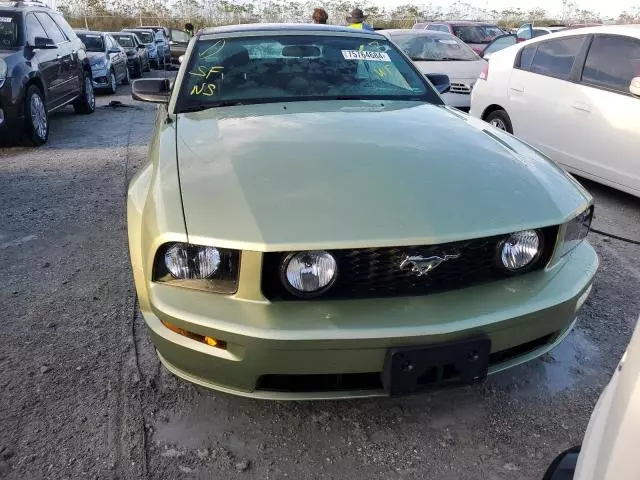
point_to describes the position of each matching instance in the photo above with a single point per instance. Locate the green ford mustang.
(314, 222)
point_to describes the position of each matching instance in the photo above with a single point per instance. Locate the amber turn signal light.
(212, 342)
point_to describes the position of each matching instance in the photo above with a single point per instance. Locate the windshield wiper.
(207, 106)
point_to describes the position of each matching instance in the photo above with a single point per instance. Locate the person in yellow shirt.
(356, 20)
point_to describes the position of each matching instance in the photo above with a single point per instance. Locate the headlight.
(575, 231)
(3, 72)
(198, 267)
(307, 274)
(520, 250)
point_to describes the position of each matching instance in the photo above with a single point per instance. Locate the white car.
(610, 447)
(437, 52)
(574, 95)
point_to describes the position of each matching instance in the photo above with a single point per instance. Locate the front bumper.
(100, 77)
(298, 342)
(11, 106)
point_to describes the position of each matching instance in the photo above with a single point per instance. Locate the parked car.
(179, 41)
(43, 67)
(435, 52)
(609, 448)
(108, 60)
(575, 95)
(137, 56)
(162, 42)
(475, 34)
(147, 38)
(315, 222)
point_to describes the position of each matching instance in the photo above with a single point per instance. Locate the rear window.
(92, 41)
(477, 33)
(9, 31)
(425, 48)
(298, 67)
(612, 62)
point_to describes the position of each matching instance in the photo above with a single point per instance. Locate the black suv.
(43, 67)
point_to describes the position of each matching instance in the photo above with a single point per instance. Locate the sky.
(605, 7)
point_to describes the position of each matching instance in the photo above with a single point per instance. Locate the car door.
(605, 116)
(47, 61)
(538, 93)
(65, 56)
(499, 43)
(117, 56)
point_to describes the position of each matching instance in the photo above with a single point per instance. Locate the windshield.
(8, 30)
(434, 47)
(145, 37)
(477, 33)
(125, 41)
(92, 41)
(295, 68)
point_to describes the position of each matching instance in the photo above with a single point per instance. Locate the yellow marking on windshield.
(203, 72)
(212, 50)
(204, 89)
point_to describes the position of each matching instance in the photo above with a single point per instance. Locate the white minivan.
(574, 95)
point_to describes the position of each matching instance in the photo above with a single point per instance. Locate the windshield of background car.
(92, 41)
(276, 68)
(145, 37)
(434, 47)
(8, 30)
(125, 41)
(476, 33)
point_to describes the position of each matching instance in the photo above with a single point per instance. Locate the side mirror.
(440, 81)
(43, 43)
(181, 59)
(114, 50)
(634, 88)
(141, 47)
(564, 466)
(152, 90)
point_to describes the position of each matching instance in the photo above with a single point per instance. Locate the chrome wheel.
(38, 116)
(89, 94)
(114, 83)
(498, 123)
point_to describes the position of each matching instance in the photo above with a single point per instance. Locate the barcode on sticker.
(6, 19)
(365, 55)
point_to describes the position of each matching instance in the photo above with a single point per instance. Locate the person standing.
(320, 16)
(356, 20)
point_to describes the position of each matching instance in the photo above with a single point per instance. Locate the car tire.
(500, 119)
(147, 68)
(127, 78)
(36, 118)
(113, 83)
(138, 69)
(86, 102)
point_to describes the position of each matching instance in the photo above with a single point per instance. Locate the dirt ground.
(83, 396)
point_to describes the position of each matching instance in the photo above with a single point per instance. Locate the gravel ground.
(83, 395)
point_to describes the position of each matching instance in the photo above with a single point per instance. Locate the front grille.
(376, 272)
(461, 88)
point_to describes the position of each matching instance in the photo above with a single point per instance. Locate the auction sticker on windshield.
(365, 55)
(6, 19)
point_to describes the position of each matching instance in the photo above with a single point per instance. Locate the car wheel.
(36, 131)
(113, 83)
(86, 103)
(138, 70)
(500, 119)
(147, 68)
(127, 78)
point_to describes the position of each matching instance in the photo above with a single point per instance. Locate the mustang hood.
(349, 174)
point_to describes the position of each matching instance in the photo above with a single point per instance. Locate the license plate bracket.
(410, 370)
